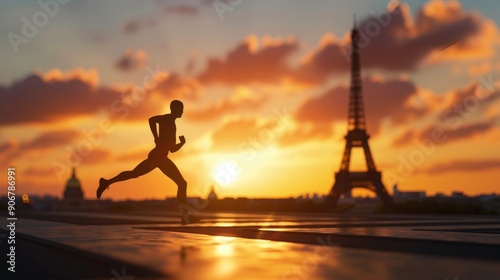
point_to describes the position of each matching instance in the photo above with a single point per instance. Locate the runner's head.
(176, 108)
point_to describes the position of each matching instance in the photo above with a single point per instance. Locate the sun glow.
(226, 173)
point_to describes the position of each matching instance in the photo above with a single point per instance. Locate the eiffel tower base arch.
(345, 182)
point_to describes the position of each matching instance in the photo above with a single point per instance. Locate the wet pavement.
(271, 246)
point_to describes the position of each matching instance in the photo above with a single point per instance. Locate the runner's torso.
(166, 134)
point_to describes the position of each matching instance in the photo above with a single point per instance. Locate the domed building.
(73, 199)
(73, 194)
(212, 195)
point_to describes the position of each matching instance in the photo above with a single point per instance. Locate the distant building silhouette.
(458, 195)
(402, 196)
(212, 195)
(73, 194)
(73, 199)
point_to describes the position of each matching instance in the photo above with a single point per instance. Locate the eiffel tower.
(357, 137)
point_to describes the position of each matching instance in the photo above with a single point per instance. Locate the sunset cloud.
(480, 35)
(35, 100)
(383, 100)
(463, 166)
(463, 132)
(96, 156)
(242, 99)
(46, 141)
(50, 139)
(89, 76)
(252, 61)
(394, 40)
(457, 115)
(38, 171)
(39, 99)
(470, 100)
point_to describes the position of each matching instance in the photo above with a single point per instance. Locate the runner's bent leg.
(142, 168)
(168, 168)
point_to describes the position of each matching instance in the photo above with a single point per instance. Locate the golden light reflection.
(225, 267)
(225, 224)
(224, 250)
(224, 247)
(268, 244)
(223, 239)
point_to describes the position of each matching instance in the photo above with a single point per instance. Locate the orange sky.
(265, 115)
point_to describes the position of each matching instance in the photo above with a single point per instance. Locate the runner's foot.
(103, 185)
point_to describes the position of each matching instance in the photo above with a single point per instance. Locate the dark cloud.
(163, 10)
(467, 101)
(132, 60)
(174, 85)
(50, 139)
(454, 117)
(37, 100)
(132, 26)
(463, 132)
(96, 156)
(461, 166)
(44, 142)
(34, 100)
(446, 134)
(181, 10)
(7, 146)
(382, 100)
(247, 63)
(393, 41)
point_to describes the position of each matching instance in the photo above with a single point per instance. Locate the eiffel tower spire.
(356, 118)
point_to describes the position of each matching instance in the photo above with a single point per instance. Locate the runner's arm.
(177, 146)
(154, 130)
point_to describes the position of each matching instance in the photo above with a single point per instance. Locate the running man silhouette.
(165, 141)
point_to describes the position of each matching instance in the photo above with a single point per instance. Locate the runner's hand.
(182, 139)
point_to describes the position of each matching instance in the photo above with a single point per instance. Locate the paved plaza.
(64, 245)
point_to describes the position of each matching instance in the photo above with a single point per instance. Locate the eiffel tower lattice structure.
(357, 137)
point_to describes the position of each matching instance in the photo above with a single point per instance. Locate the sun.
(226, 173)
